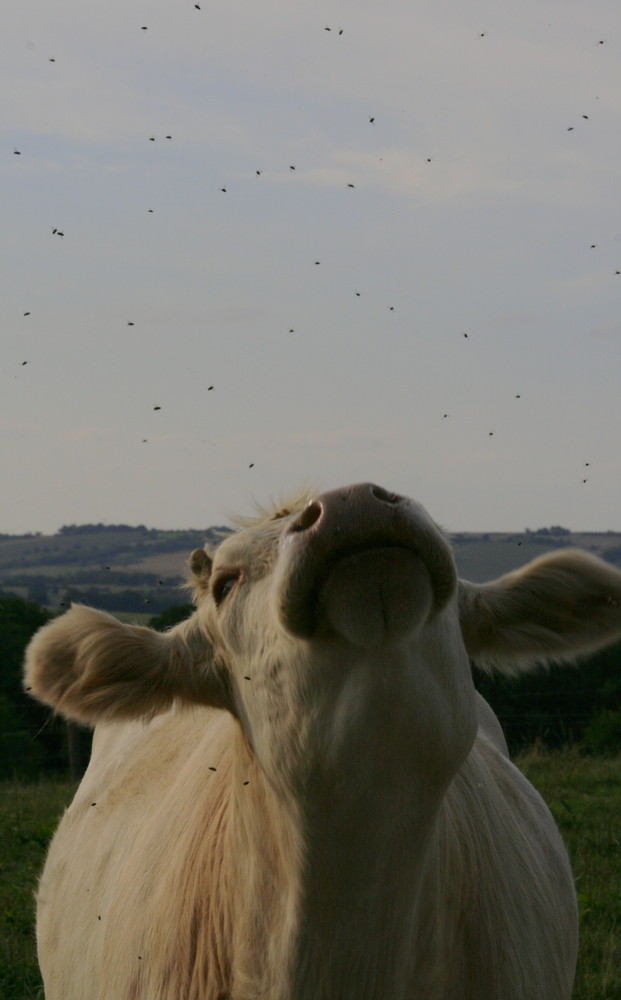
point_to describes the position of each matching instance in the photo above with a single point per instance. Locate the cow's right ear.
(90, 667)
(200, 564)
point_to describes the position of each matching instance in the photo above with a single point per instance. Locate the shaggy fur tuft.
(276, 509)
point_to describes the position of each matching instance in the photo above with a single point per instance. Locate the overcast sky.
(430, 300)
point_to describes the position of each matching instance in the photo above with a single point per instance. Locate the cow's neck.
(358, 897)
(353, 843)
(367, 831)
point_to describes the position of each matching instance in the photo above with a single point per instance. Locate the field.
(584, 794)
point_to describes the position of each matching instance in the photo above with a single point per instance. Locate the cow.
(297, 793)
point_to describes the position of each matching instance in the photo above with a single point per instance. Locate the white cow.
(297, 794)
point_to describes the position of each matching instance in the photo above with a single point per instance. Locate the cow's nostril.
(384, 495)
(308, 517)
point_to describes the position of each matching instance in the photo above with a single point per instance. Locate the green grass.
(28, 817)
(584, 794)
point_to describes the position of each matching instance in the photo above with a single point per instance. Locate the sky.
(243, 252)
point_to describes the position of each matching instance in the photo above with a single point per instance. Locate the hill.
(116, 567)
(485, 556)
(138, 570)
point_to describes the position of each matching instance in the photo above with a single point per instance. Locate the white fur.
(349, 829)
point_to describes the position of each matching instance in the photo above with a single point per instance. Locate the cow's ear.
(200, 563)
(89, 666)
(554, 608)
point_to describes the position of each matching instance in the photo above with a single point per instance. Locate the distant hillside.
(116, 567)
(136, 570)
(485, 556)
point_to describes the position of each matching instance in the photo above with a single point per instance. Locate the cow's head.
(338, 625)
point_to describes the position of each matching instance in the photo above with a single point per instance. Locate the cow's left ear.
(90, 667)
(554, 608)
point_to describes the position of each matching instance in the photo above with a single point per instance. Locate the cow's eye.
(223, 585)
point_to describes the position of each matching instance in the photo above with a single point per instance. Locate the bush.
(602, 735)
(19, 753)
(171, 616)
(31, 736)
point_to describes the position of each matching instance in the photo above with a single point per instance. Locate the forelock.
(276, 509)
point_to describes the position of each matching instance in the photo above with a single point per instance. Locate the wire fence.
(537, 700)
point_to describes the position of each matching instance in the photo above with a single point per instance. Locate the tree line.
(86, 545)
(576, 704)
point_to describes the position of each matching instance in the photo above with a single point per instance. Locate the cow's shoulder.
(136, 844)
(501, 862)
(130, 756)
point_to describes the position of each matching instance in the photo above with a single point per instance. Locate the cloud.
(82, 435)
(587, 285)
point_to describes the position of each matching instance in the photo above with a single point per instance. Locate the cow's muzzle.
(363, 561)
